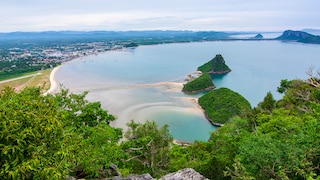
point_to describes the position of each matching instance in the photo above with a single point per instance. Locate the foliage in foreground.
(54, 136)
(147, 147)
(278, 140)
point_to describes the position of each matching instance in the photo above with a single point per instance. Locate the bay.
(144, 83)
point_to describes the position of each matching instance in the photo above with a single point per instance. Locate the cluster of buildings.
(50, 55)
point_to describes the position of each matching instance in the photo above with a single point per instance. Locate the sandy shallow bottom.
(140, 102)
(162, 102)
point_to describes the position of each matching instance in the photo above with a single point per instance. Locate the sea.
(144, 83)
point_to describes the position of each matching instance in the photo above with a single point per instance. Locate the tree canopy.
(222, 104)
(216, 65)
(54, 135)
(202, 83)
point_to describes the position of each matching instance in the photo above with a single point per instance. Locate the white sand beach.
(53, 83)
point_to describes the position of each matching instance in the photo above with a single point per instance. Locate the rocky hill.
(217, 65)
(299, 36)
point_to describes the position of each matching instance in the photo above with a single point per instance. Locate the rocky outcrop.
(134, 177)
(184, 174)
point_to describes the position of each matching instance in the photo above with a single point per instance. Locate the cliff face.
(299, 36)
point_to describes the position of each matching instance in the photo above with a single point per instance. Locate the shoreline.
(53, 83)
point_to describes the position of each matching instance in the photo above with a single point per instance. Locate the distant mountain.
(258, 36)
(139, 37)
(299, 36)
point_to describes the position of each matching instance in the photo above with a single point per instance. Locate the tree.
(268, 103)
(147, 147)
(54, 136)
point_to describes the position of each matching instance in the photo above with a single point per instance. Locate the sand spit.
(53, 83)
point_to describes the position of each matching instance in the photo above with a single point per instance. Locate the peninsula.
(216, 65)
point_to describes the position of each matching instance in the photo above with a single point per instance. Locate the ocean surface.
(144, 83)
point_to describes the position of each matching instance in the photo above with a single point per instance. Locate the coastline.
(53, 83)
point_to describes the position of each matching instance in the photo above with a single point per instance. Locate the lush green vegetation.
(277, 140)
(54, 136)
(199, 84)
(222, 104)
(216, 65)
(147, 148)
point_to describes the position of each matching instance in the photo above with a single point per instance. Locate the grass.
(42, 80)
(11, 76)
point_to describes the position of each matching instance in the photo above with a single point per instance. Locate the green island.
(204, 82)
(222, 104)
(216, 65)
(200, 84)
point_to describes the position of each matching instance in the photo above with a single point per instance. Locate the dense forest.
(216, 65)
(60, 135)
(222, 104)
(201, 83)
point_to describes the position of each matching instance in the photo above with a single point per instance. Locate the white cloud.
(39, 15)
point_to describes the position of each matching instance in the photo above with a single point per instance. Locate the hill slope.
(222, 104)
(217, 65)
(202, 83)
(299, 36)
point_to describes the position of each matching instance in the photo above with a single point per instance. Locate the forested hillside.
(202, 83)
(222, 104)
(62, 135)
(216, 65)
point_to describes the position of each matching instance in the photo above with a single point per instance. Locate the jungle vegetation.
(222, 104)
(200, 83)
(216, 65)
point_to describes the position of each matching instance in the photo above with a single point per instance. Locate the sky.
(124, 15)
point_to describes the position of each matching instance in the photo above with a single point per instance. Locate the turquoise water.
(144, 83)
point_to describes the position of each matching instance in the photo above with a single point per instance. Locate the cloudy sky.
(220, 15)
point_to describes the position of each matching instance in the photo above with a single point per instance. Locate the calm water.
(144, 83)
